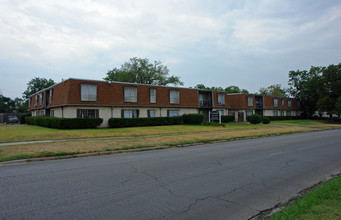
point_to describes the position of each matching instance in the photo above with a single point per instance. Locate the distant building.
(244, 105)
(90, 98)
(79, 98)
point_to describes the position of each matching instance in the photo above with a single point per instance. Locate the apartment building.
(244, 105)
(90, 98)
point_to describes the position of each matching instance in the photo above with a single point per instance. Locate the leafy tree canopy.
(138, 70)
(273, 90)
(229, 89)
(8, 105)
(37, 84)
(317, 89)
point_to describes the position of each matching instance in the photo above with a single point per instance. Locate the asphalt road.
(233, 180)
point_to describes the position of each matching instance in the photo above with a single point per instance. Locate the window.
(52, 113)
(130, 94)
(249, 101)
(40, 98)
(248, 113)
(275, 113)
(130, 113)
(87, 113)
(174, 97)
(221, 99)
(221, 112)
(152, 95)
(36, 100)
(89, 92)
(151, 113)
(275, 102)
(289, 103)
(42, 113)
(50, 99)
(37, 113)
(282, 102)
(288, 113)
(172, 113)
(282, 113)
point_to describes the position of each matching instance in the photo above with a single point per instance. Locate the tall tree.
(235, 89)
(138, 70)
(306, 87)
(273, 90)
(36, 84)
(330, 89)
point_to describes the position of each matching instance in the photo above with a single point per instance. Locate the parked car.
(12, 119)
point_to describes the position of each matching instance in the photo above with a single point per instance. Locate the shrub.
(277, 118)
(265, 120)
(64, 123)
(22, 118)
(227, 118)
(193, 118)
(255, 119)
(138, 122)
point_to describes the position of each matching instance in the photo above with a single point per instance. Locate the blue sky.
(249, 43)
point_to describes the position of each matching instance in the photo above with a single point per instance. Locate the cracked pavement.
(232, 180)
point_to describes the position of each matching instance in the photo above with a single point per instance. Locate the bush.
(138, 122)
(265, 120)
(227, 118)
(255, 119)
(277, 118)
(193, 118)
(22, 118)
(64, 123)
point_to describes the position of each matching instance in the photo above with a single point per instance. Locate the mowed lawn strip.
(33, 133)
(322, 203)
(97, 145)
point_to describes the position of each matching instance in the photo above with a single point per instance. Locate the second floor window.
(289, 103)
(40, 98)
(282, 102)
(130, 94)
(174, 97)
(276, 103)
(89, 92)
(249, 101)
(152, 95)
(50, 98)
(221, 99)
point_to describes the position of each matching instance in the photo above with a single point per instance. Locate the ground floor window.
(87, 113)
(221, 112)
(52, 113)
(275, 113)
(172, 113)
(248, 113)
(282, 113)
(130, 113)
(288, 113)
(151, 113)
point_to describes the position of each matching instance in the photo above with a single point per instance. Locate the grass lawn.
(29, 133)
(176, 135)
(322, 203)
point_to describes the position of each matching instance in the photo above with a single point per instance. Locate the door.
(240, 116)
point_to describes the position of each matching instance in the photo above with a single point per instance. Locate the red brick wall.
(68, 92)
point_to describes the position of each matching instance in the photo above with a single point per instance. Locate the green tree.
(37, 84)
(273, 90)
(306, 87)
(6, 104)
(330, 89)
(139, 70)
(235, 89)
